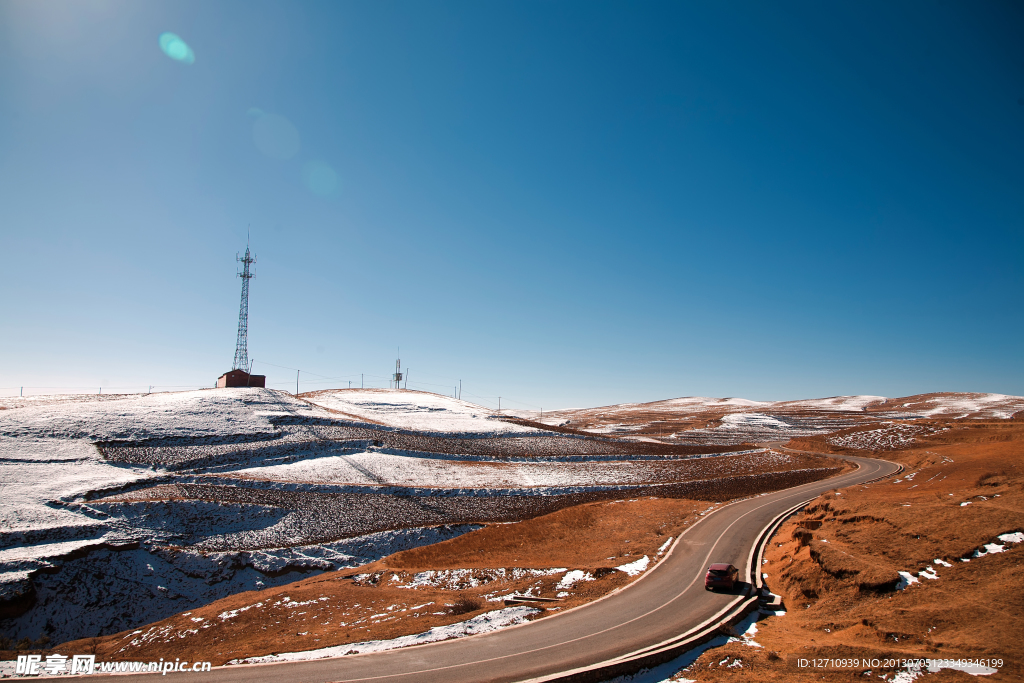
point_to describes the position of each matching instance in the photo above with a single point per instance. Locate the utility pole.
(296, 382)
(499, 404)
(361, 384)
(460, 389)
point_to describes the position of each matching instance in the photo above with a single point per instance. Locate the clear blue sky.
(563, 203)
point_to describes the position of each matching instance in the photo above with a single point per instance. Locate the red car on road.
(721, 576)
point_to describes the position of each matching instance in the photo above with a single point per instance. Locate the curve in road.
(667, 601)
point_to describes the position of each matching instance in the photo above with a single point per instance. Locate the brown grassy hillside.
(367, 603)
(836, 564)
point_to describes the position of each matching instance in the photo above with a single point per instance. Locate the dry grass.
(464, 604)
(836, 564)
(368, 603)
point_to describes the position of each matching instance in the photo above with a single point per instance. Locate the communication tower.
(238, 375)
(241, 346)
(398, 374)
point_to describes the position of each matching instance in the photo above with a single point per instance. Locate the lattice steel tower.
(241, 347)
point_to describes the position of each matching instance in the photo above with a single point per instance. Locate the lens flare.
(319, 178)
(176, 48)
(275, 136)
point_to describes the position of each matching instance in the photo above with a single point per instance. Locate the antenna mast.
(241, 347)
(397, 378)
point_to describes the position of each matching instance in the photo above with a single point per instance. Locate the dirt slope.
(836, 565)
(377, 601)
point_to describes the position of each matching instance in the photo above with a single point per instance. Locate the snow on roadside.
(669, 671)
(747, 637)
(635, 568)
(483, 623)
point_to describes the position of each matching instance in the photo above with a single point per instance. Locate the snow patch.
(461, 579)
(989, 549)
(637, 567)
(490, 621)
(747, 637)
(422, 411)
(915, 670)
(572, 577)
(674, 671)
(906, 580)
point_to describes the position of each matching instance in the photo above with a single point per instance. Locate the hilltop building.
(241, 378)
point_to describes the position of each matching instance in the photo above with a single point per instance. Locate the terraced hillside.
(119, 511)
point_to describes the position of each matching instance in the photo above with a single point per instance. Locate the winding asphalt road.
(667, 601)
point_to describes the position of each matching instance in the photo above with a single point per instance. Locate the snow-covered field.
(998, 406)
(416, 410)
(375, 468)
(48, 453)
(149, 504)
(150, 554)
